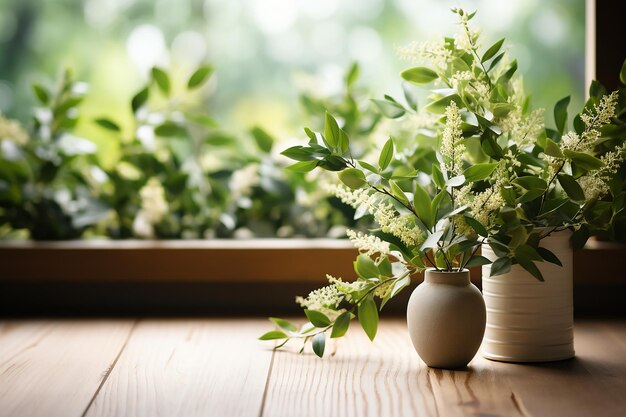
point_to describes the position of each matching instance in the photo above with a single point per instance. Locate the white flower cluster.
(451, 149)
(390, 221)
(368, 244)
(570, 140)
(484, 205)
(595, 183)
(153, 208)
(522, 130)
(353, 198)
(325, 300)
(400, 226)
(433, 52)
(601, 114)
(242, 180)
(12, 131)
(466, 39)
(593, 186)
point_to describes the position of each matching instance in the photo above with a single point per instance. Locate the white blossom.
(451, 149)
(153, 204)
(433, 52)
(11, 130)
(390, 221)
(242, 180)
(368, 244)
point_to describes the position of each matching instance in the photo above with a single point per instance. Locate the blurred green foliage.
(268, 55)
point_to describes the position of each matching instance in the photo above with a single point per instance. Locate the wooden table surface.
(216, 367)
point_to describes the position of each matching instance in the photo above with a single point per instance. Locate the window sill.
(259, 276)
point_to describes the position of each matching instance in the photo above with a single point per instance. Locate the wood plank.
(54, 368)
(188, 368)
(219, 260)
(591, 384)
(383, 379)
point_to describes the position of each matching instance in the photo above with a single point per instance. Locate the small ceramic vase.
(446, 319)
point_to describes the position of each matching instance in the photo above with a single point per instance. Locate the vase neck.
(459, 278)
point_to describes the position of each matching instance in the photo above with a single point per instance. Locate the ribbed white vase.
(529, 320)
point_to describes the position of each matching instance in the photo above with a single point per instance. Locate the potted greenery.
(502, 180)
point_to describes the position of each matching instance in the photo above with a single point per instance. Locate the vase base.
(529, 358)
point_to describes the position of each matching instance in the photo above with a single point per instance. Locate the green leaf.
(477, 226)
(622, 73)
(303, 166)
(456, 181)
(530, 182)
(333, 163)
(438, 177)
(352, 75)
(432, 240)
(584, 160)
(319, 343)
(299, 153)
(273, 334)
(353, 178)
(368, 317)
(502, 109)
(419, 75)
(552, 149)
(571, 187)
(495, 61)
(422, 204)
(331, 131)
(525, 255)
(139, 99)
(492, 51)
(477, 260)
(42, 94)
(263, 140)
(529, 195)
(161, 79)
(202, 120)
(389, 109)
(317, 318)
(479, 172)
(547, 255)
(341, 325)
(169, 128)
(596, 89)
(439, 106)
(108, 124)
(399, 285)
(311, 135)
(409, 95)
(368, 166)
(501, 266)
(199, 76)
(386, 155)
(527, 252)
(284, 324)
(365, 267)
(560, 113)
(397, 192)
(384, 266)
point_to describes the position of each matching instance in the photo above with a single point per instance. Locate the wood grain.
(188, 368)
(215, 367)
(382, 379)
(387, 379)
(54, 369)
